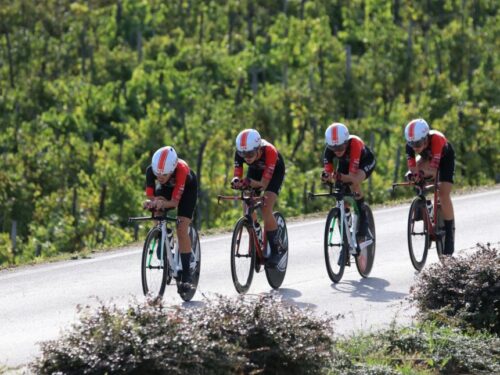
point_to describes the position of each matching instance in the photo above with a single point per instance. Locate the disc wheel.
(364, 260)
(276, 275)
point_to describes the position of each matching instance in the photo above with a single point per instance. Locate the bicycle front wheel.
(335, 244)
(154, 265)
(418, 233)
(364, 260)
(242, 255)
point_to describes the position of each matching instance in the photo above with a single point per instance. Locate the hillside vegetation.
(89, 89)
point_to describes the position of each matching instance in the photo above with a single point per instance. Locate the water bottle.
(428, 204)
(258, 232)
(348, 217)
(170, 239)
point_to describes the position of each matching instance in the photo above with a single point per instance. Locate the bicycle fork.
(174, 262)
(354, 247)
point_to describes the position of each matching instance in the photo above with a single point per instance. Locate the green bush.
(222, 337)
(426, 349)
(464, 291)
(447, 350)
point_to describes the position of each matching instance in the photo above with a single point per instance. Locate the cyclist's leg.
(270, 225)
(356, 179)
(446, 174)
(254, 174)
(366, 168)
(185, 212)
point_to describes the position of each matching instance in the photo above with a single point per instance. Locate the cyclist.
(356, 163)
(170, 183)
(436, 153)
(266, 172)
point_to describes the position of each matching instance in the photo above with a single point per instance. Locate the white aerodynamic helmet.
(416, 131)
(336, 135)
(248, 140)
(164, 161)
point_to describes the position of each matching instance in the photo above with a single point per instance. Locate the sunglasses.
(247, 154)
(162, 175)
(416, 144)
(338, 148)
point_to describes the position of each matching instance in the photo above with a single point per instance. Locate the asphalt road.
(38, 302)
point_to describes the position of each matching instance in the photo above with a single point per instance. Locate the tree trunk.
(302, 4)
(231, 21)
(102, 201)
(237, 99)
(139, 45)
(9, 56)
(199, 166)
(250, 10)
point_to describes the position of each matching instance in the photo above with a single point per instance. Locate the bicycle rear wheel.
(335, 245)
(418, 233)
(440, 232)
(154, 265)
(276, 275)
(242, 255)
(194, 264)
(364, 260)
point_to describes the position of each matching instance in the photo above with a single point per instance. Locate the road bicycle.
(248, 251)
(425, 223)
(161, 261)
(340, 239)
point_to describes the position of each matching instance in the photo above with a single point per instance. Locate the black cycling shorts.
(447, 165)
(366, 164)
(189, 197)
(277, 179)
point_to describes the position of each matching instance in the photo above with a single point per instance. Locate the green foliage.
(424, 349)
(88, 91)
(464, 291)
(222, 337)
(248, 335)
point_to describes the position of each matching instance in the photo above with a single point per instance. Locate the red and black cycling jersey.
(178, 181)
(435, 150)
(355, 153)
(266, 163)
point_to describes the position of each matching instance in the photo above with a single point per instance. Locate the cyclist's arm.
(271, 159)
(411, 160)
(328, 156)
(238, 166)
(181, 173)
(437, 145)
(328, 169)
(356, 147)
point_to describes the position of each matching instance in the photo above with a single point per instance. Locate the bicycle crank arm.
(365, 244)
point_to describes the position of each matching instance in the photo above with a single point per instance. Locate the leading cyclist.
(436, 153)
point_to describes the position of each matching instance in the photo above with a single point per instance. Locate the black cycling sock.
(186, 273)
(449, 245)
(362, 214)
(271, 239)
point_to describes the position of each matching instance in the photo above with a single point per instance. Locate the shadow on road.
(289, 294)
(372, 289)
